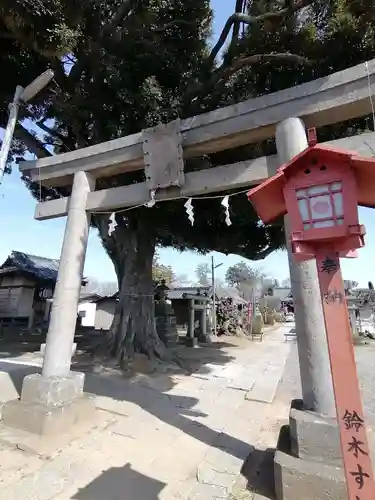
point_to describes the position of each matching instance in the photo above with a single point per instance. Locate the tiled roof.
(363, 294)
(39, 267)
(89, 297)
(282, 293)
(177, 293)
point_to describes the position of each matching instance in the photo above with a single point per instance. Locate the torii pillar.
(308, 461)
(54, 401)
(315, 370)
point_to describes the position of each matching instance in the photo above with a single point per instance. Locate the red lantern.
(320, 189)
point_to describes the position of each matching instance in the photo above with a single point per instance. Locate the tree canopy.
(203, 273)
(121, 66)
(242, 272)
(161, 272)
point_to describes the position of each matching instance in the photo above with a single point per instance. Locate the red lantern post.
(321, 189)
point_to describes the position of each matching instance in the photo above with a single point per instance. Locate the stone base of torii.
(54, 401)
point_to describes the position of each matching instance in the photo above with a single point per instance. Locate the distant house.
(284, 294)
(87, 308)
(27, 283)
(97, 312)
(278, 297)
(231, 293)
(180, 292)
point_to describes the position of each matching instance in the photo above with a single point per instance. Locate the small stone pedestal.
(191, 342)
(308, 462)
(49, 405)
(166, 326)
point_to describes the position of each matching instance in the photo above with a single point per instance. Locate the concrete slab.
(208, 492)
(222, 461)
(243, 383)
(296, 478)
(207, 474)
(56, 474)
(210, 371)
(314, 437)
(46, 420)
(264, 389)
(31, 443)
(179, 460)
(8, 390)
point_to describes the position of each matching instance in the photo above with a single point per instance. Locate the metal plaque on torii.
(163, 156)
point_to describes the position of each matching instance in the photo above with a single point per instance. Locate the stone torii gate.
(51, 401)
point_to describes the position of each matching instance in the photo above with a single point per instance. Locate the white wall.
(88, 311)
(104, 314)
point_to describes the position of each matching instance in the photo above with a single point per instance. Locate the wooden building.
(27, 283)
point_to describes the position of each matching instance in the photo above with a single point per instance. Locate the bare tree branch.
(244, 18)
(236, 27)
(224, 72)
(32, 143)
(53, 133)
(78, 68)
(176, 22)
(117, 18)
(69, 58)
(60, 76)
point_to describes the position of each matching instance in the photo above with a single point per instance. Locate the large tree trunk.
(133, 329)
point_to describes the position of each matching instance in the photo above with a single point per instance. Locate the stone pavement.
(162, 437)
(290, 386)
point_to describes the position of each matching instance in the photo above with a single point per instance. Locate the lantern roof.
(268, 197)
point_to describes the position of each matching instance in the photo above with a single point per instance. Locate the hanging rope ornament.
(188, 207)
(190, 210)
(152, 201)
(225, 203)
(112, 224)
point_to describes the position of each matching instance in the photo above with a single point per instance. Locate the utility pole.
(213, 267)
(21, 95)
(213, 293)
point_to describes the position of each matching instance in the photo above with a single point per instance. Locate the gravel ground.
(290, 387)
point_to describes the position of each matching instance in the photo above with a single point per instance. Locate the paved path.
(163, 439)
